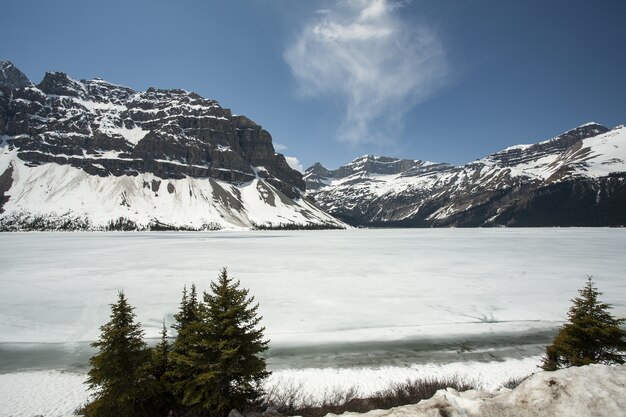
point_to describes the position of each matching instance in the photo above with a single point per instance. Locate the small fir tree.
(189, 309)
(118, 371)
(160, 400)
(237, 340)
(592, 334)
(188, 352)
(216, 362)
(161, 355)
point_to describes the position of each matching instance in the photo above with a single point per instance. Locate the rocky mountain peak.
(91, 154)
(60, 84)
(108, 129)
(318, 169)
(12, 77)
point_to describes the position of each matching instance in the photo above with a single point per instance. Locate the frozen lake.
(376, 300)
(314, 287)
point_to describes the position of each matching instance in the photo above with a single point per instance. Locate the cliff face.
(110, 132)
(107, 129)
(574, 179)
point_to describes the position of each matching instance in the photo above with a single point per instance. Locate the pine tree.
(188, 311)
(160, 400)
(118, 371)
(188, 353)
(592, 334)
(216, 360)
(238, 342)
(161, 355)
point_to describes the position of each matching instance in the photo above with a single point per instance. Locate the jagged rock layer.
(69, 149)
(575, 179)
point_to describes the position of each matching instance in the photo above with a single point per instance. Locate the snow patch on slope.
(133, 135)
(607, 153)
(65, 191)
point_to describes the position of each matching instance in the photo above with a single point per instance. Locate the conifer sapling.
(592, 334)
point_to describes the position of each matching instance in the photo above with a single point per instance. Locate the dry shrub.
(289, 399)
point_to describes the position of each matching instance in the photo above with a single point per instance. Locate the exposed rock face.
(106, 129)
(6, 180)
(13, 77)
(91, 154)
(575, 179)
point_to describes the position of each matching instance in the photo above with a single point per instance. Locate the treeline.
(213, 366)
(297, 226)
(39, 223)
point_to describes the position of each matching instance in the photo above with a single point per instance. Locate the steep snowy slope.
(91, 154)
(576, 178)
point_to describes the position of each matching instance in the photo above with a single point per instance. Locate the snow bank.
(589, 391)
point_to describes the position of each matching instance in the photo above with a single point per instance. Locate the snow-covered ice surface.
(340, 306)
(313, 286)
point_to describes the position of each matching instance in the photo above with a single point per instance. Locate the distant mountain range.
(98, 156)
(575, 179)
(94, 155)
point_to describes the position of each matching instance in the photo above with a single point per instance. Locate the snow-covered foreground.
(57, 394)
(342, 308)
(589, 391)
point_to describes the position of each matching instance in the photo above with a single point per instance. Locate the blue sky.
(331, 80)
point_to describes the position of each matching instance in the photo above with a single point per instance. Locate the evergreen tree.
(160, 356)
(118, 371)
(160, 400)
(189, 309)
(222, 368)
(238, 342)
(188, 353)
(592, 334)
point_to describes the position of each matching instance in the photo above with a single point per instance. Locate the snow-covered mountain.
(91, 154)
(575, 179)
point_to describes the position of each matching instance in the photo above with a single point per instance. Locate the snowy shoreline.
(57, 393)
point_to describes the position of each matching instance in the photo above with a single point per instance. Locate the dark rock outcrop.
(12, 77)
(6, 180)
(106, 129)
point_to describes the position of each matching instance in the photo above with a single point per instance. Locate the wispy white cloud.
(378, 64)
(294, 163)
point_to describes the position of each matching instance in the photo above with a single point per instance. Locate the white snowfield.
(589, 391)
(319, 287)
(597, 156)
(56, 191)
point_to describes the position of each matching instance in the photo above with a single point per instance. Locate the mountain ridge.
(576, 173)
(69, 149)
